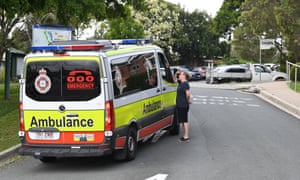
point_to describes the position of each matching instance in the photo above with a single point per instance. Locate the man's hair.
(187, 75)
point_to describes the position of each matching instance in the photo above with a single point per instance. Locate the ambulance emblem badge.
(42, 82)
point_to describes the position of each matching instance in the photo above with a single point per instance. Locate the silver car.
(194, 75)
(229, 73)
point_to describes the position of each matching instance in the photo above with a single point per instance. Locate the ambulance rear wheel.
(131, 144)
(130, 148)
(174, 129)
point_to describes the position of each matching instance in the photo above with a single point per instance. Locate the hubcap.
(130, 144)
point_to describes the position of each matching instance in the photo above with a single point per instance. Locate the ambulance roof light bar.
(68, 47)
(61, 46)
(88, 45)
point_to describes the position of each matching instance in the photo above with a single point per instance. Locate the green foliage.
(11, 13)
(71, 13)
(259, 16)
(9, 117)
(9, 135)
(160, 23)
(232, 61)
(196, 41)
(20, 40)
(274, 19)
(257, 19)
(124, 28)
(288, 20)
(292, 86)
(227, 16)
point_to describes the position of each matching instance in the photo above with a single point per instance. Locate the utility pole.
(7, 74)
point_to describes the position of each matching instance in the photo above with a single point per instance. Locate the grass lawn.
(9, 117)
(292, 86)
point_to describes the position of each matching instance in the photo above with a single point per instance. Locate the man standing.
(183, 102)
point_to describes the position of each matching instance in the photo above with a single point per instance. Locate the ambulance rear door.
(63, 100)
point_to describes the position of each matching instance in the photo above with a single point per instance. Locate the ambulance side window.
(165, 70)
(133, 74)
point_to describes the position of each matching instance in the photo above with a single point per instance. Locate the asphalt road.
(234, 135)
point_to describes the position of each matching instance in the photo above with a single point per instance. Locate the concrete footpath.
(277, 93)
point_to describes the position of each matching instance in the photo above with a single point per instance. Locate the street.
(234, 135)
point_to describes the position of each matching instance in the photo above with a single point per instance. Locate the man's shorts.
(182, 114)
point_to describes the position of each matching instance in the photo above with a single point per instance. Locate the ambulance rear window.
(77, 80)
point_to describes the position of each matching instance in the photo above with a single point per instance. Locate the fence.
(288, 71)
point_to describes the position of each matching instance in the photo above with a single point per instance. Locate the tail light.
(109, 118)
(22, 128)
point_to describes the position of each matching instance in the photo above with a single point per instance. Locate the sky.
(210, 6)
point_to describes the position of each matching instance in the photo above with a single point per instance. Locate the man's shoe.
(182, 139)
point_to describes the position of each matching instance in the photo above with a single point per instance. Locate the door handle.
(72, 115)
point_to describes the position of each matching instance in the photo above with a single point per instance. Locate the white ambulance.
(91, 98)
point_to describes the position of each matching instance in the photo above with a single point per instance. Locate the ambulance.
(94, 98)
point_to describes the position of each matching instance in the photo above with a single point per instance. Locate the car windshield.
(184, 69)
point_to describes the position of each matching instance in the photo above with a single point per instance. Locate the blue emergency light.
(135, 41)
(88, 45)
(47, 48)
(131, 41)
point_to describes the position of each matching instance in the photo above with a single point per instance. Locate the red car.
(201, 70)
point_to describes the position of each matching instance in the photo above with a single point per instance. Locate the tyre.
(174, 129)
(130, 149)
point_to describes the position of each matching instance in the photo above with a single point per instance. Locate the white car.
(229, 73)
(262, 73)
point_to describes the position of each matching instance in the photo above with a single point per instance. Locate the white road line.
(222, 100)
(253, 105)
(158, 177)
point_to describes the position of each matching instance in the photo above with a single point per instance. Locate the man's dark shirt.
(181, 100)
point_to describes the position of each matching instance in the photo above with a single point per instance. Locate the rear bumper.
(76, 151)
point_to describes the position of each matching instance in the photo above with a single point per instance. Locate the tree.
(22, 35)
(11, 13)
(257, 20)
(225, 22)
(288, 19)
(124, 28)
(71, 13)
(196, 41)
(160, 23)
(227, 17)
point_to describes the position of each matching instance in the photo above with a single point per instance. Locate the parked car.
(272, 66)
(194, 75)
(229, 73)
(263, 73)
(201, 70)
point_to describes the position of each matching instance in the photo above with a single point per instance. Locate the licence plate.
(44, 135)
